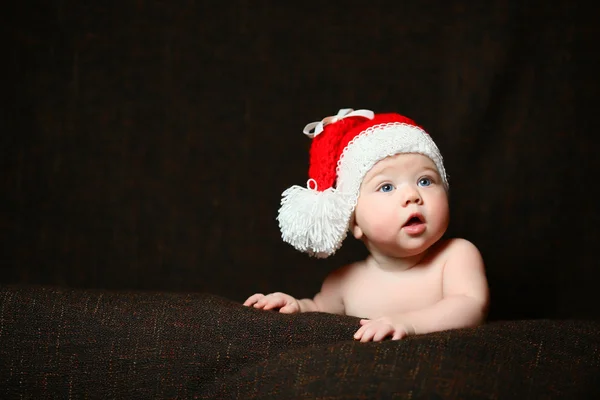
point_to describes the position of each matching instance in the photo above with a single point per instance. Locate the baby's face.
(402, 207)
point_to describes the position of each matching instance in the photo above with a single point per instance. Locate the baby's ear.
(356, 231)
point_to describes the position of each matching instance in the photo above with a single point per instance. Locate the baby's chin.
(393, 249)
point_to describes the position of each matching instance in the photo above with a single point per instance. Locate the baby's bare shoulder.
(346, 274)
(461, 259)
(338, 279)
(451, 248)
(464, 271)
(347, 271)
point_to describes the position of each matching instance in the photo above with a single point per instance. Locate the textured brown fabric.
(146, 143)
(57, 343)
(538, 359)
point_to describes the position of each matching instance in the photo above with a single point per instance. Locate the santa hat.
(344, 147)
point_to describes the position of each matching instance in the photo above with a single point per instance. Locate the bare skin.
(412, 282)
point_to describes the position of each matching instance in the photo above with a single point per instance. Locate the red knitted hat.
(344, 148)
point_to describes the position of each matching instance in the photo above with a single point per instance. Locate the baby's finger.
(366, 325)
(253, 299)
(358, 334)
(368, 335)
(262, 302)
(273, 302)
(382, 334)
(288, 309)
(399, 334)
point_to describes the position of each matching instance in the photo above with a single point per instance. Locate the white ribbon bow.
(314, 128)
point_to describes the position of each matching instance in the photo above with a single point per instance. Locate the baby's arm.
(329, 299)
(464, 304)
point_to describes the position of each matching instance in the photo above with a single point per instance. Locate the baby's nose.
(411, 196)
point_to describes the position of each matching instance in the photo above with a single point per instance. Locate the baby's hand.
(380, 328)
(286, 303)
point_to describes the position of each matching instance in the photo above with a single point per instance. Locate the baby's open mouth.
(415, 219)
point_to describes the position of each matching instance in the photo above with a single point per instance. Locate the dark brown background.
(145, 145)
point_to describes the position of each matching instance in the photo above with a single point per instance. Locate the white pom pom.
(314, 222)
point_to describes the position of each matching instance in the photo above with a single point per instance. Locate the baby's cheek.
(384, 228)
(377, 220)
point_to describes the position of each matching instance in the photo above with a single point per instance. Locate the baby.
(381, 177)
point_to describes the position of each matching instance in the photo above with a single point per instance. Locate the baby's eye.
(388, 187)
(425, 182)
